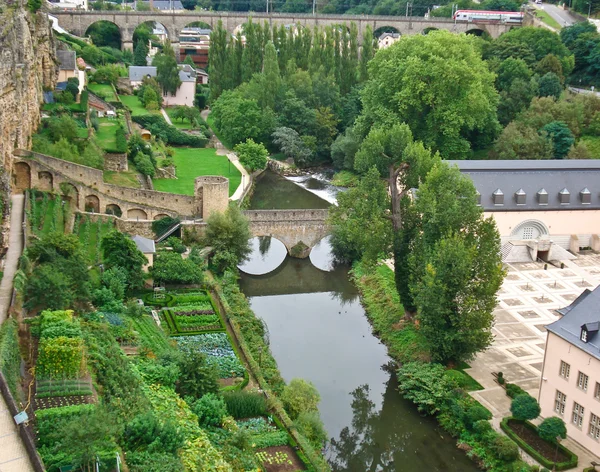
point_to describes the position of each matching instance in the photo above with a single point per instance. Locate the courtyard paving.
(527, 300)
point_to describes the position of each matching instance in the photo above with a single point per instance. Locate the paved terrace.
(527, 299)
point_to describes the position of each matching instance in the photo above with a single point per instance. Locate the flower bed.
(204, 306)
(218, 349)
(526, 436)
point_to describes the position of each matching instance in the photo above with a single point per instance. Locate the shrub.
(210, 410)
(551, 428)
(513, 390)
(242, 404)
(424, 385)
(525, 407)
(170, 267)
(253, 156)
(161, 226)
(10, 358)
(310, 425)
(300, 396)
(475, 413)
(504, 449)
(168, 133)
(501, 378)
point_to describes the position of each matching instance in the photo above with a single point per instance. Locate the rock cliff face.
(27, 65)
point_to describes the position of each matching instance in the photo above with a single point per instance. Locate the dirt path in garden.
(13, 455)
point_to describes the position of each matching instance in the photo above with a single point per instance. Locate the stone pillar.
(127, 45)
(212, 195)
(574, 244)
(595, 242)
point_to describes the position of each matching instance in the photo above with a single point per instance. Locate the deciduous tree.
(119, 250)
(252, 155)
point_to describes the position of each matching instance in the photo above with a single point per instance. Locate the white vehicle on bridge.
(484, 16)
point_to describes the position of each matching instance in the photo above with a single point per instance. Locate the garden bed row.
(526, 435)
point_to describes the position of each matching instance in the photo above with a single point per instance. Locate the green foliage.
(121, 139)
(140, 54)
(167, 73)
(120, 251)
(244, 404)
(409, 83)
(145, 431)
(60, 357)
(525, 407)
(170, 267)
(198, 376)
(561, 138)
(210, 410)
(300, 396)
(424, 385)
(462, 380)
(294, 146)
(550, 86)
(34, 5)
(167, 133)
(10, 357)
(108, 74)
(551, 428)
(229, 235)
(361, 228)
(253, 156)
(310, 425)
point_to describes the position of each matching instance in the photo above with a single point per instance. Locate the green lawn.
(104, 91)
(124, 179)
(133, 103)
(193, 162)
(546, 18)
(106, 133)
(185, 124)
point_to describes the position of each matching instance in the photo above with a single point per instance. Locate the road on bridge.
(563, 17)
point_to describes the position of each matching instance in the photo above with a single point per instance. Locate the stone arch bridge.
(77, 22)
(290, 226)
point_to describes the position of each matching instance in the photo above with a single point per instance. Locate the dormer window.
(564, 196)
(589, 330)
(498, 197)
(584, 335)
(542, 197)
(586, 196)
(520, 196)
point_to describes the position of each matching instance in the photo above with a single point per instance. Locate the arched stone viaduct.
(290, 226)
(86, 189)
(77, 22)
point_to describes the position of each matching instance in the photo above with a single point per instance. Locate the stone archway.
(45, 181)
(529, 229)
(114, 209)
(21, 176)
(92, 204)
(69, 192)
(160, 216)
(136, 214)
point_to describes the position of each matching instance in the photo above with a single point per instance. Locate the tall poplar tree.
(367, 53)
(272, 75)
(217, 58)
(140, 54)
(167, 73)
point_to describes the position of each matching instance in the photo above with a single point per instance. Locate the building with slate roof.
(185, 93)
(67, 65)
(147, 248)
(557, 201)
(570, 386)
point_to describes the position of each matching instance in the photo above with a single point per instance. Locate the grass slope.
(104, 91)
(124, 179)
(185, 124)
(193, 162)
(107, 138)
(135, 106)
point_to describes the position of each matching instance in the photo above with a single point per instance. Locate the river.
(318, 331)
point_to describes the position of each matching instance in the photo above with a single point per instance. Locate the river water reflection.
(318, 331)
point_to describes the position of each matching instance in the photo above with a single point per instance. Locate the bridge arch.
(98, 40)
(144, 31)
(385, 29)
(21, 176)
(476, 32)
(429, 30)
(92, 204)
(114, 209)
(136, 214)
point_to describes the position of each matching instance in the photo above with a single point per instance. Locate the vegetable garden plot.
(218, 349)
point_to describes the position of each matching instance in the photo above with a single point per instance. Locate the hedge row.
(572, 462)
(159, 127)
(10, 357)
(174, 329)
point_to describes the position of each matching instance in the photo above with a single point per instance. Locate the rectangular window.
(565, 370)
(594, 431)
(578, 411)
(560, 402)
(597, 391)
(582, 381)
